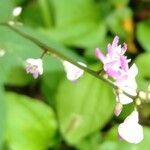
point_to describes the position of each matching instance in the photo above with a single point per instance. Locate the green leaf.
(75, 28)
(143, 32)
(82, 34)
(50, 82)
(119, 3)
(31, 125)
(18, 77)
(116, 20)
(143, 77)
(91, 142)
(82, 106)
(71, 11)
(16, 48)
(2, 116)
(6, 7)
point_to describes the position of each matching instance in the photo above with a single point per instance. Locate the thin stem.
(54, 52)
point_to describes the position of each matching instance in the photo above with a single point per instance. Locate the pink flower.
(114, 59)
(130, 130)
(116, 65)
(34, 66)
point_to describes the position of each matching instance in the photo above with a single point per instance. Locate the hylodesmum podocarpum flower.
(34, 66)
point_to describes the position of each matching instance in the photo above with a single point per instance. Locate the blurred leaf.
(116, 21)
(71, 11)
(31, 125)
(111, 145)
(84, 34)
(143, 78)
(50, 82)
(18, 76)
(75, 28)
(91, 142)
(82, 106)
(143, 32)
(119, 3)
(6, 7)
(16, 48)
(116, 144)
(30, 16)
(2, 116)
(127, 109)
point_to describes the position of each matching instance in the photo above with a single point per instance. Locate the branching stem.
(54, 52)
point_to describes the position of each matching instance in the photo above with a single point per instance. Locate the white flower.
(128, 84)
(130, 130)
(17, 11)
(73, 72)
(34, 66)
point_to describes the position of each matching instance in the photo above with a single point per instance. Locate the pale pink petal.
(124, 48)
(100, 55)
(124, 63)
(112, 73)
(133, 71)
(115, 41)
(133, 117)
(130, 130)
(110, 50)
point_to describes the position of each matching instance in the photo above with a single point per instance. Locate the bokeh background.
(52, 113)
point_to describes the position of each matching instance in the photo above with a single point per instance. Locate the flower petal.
(133, 70)
(132, 133)
(72, 71)
(100, 55)
(130, 130)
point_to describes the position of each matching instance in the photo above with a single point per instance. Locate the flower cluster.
(116, 66)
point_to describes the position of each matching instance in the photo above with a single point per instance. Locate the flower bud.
(118, 109)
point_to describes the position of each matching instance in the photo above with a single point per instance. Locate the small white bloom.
(17, 11)
(127, 81)
(130, 130)
(34, 66)
(73, 72)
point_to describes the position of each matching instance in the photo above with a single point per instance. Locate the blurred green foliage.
(51, 113)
